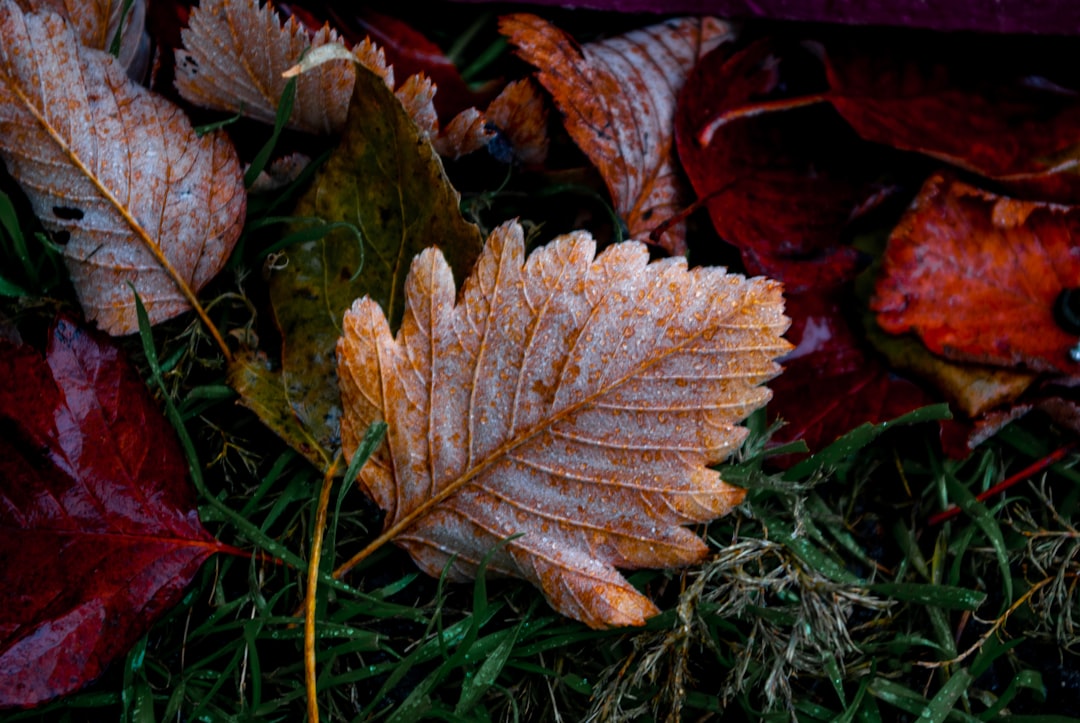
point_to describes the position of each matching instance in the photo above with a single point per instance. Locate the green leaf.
(261, 390)
(385, 180)
(986, 522)
(908, 700)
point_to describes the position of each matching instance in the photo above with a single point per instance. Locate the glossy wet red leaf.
(98, 529)
(780, 185)
(831, 382)
(976, 276)
(970, 111)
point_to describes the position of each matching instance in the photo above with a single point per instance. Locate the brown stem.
(309, 597)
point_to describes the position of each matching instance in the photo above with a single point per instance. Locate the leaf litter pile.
(490, 365)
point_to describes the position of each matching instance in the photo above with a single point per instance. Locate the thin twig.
(994, 628)
(312, 585)
(1040, 465)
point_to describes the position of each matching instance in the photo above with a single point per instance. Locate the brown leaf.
(466, 133)
(115, 173)
(235, 55)
(574, 400)
(519, 112)
(238, 52)
(618, 98)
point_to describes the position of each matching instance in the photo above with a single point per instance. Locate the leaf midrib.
(504, 449)
(106, 193)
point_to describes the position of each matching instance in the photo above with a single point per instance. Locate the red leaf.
(98, 529)
(976, 276)
(778, 184)
(830, 385)
(962, 111)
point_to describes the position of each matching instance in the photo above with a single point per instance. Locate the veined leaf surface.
(574, 400)
(114, 172)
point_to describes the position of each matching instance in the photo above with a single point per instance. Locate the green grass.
(828, 596)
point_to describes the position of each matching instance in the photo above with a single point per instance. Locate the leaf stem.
(310, 600)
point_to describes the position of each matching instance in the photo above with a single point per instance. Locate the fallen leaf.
(115, 173)
(618, 99)
(574, 400)
(960, 437)
(410, 52)
(976, 276)
(239, 58)
(262, 390)
(782, 184)
(831, 382)
(97, 22)
(520, 113)
(921, 97)
(388, 185)
(235, 53)
(974, 389)
(467, 133)
(99, 534)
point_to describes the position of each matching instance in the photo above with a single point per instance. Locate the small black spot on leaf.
(68, 213)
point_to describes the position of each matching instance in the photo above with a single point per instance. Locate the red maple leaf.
(98, 529)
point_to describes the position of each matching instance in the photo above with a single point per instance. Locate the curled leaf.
(618, 99)
(115, 173)
(520, 113)
(576, 401)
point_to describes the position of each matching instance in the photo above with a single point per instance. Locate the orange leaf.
(115, 173)
(574, 400)
(618, 98)
(519, 112)
(976, 276)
